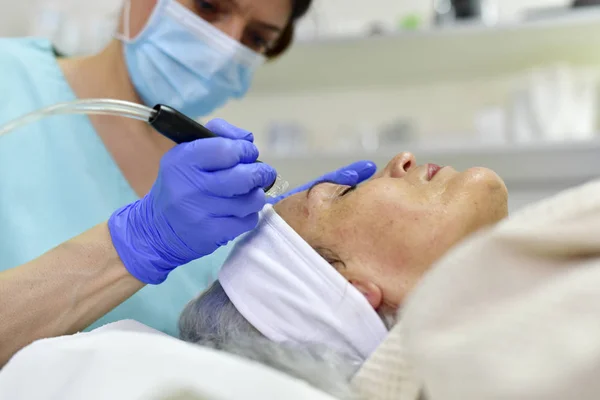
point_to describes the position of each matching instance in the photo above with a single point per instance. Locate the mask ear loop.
(125, 36)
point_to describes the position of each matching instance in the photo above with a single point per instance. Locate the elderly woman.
(324, 273)
(331, 266)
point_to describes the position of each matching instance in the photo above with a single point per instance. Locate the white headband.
(290, 294)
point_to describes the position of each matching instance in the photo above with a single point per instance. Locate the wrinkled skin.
(384, 235)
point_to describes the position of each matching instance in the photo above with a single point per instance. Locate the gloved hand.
(349, 175)
(206, 194)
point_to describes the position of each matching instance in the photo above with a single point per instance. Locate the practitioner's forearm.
(63, 291)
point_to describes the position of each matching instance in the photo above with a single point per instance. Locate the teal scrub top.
(57, 180)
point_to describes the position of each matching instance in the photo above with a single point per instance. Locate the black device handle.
(180, 128)
(177, 126)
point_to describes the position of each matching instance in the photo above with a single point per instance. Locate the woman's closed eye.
(348, 190)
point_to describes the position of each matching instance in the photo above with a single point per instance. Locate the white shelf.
(441, 55)
(524, 167)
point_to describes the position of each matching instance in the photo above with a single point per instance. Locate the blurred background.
(507, 84)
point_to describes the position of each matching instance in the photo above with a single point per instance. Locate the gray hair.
(212, 320)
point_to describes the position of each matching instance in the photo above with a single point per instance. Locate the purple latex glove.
(207, 193)
(349, 175)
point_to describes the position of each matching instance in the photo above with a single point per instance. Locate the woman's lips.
(432, 169)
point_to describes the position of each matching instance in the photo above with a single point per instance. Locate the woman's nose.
(399, 166)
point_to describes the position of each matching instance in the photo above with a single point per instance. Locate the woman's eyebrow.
(329, 256)
(268, 26)
(262, 24)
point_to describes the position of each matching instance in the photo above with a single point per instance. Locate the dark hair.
(299, 9)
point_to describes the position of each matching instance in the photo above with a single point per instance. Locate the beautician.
(207, 193)
(64, 175)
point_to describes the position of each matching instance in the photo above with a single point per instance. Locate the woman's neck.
(134, 145)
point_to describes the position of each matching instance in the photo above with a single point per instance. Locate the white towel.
(291, 294)
(129, 361)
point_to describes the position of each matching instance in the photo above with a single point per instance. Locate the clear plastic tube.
(117, 108)
(88, 106)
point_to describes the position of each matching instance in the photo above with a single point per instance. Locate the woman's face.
(257, 24)
(384, 234)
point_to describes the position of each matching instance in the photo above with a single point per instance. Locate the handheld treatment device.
(166, 120)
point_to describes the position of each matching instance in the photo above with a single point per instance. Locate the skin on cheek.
(139, 14)
(361, 238)
(293, 210)
(345, 233)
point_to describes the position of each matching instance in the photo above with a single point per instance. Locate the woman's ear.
(370, 290)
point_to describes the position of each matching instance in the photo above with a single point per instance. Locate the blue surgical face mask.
(183, 61)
